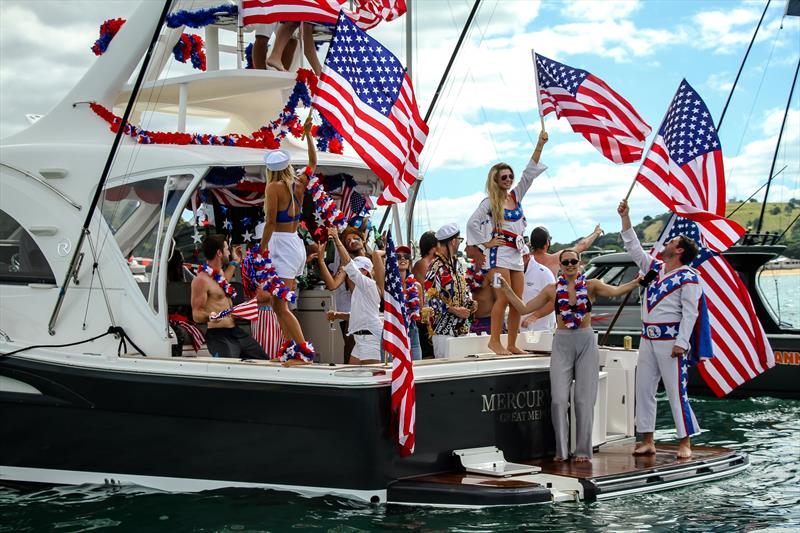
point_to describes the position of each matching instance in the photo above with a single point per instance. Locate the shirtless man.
(211, 294)
(540, 246)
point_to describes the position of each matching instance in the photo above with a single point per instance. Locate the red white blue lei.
(323, 204)
(475, 277)
(217, 276)
(260, 272)
(572, 320)
(411, 291)
(294, 350)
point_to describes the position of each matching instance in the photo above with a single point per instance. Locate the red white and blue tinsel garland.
(572, 320)
(411, 290)
(475, 277)
(190, 47)
(217, 276)
(258, 269)
(108, 30)
(267, 137)
(294, 350)
(323, 204)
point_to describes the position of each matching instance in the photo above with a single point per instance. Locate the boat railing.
(760, 239)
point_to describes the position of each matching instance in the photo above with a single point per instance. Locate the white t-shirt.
(364, 303)
(537, 277)
(341, 296)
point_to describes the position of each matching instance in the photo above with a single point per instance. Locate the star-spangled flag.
(353, 203)
(684, 170)
(247, 310)
(740, 346)
(397, 344)
(592, 108)
(366, 94)
(367, 13)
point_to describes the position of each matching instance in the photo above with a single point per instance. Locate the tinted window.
(21, 260)
(617, 275)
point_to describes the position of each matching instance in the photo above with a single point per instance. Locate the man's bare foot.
(516, 351)
(644, 448)
(582, 459)
(497, 348)
(275, 65)
(684, 451)
(558, 459)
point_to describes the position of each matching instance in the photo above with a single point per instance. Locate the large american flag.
(366, 94)
(740, 346)
(592, 108)
(396, 343)
(684, 170)
(367, 14)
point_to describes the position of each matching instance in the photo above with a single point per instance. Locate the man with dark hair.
(540, 247)
(212, 294)
(427, 249)
(669, 311)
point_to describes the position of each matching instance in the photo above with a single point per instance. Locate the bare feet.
(295, 362)
(516, 351)
(276, 65)
(558, 459)
(644, 448)
(684, 449)
(582, 459)
(497, 348)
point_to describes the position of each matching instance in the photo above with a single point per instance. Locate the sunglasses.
(407, 257)
(506, 177)
(569, 262)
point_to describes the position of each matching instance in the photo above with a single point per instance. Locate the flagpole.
(653, 140)
(536, 84)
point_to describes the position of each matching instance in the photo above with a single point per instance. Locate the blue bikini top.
(283, 216)
(512, 215)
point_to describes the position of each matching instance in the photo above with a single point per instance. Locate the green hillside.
(777, 216)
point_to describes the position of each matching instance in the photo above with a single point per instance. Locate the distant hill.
(777, 216)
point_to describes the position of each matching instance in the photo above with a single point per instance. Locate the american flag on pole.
(367, 14)
(683, 168)
(396, 343)
(353, 203)
(740, 346)
(366, 94)
(592, 108)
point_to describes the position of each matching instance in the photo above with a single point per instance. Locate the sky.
(487, 111)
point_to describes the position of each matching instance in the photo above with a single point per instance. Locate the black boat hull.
(274, 434)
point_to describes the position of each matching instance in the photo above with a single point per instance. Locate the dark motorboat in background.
(748, 259)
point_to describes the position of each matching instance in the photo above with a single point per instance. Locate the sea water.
(781, 290)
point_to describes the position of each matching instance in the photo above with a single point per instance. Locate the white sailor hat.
(447, 231)
(277, 159)
(362, 262)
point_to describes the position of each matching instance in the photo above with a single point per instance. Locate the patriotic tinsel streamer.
(323, 204)
(261, 272)
(412, 298)
(294, 350)
(190, 47)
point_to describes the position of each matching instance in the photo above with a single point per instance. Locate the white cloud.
(608, 9)
(458, 144)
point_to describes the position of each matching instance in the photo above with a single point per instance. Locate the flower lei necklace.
(412, 298)
(217, 276)
(475, 276)
(572, 320)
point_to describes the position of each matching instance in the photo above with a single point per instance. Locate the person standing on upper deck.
(503, 212)
(669, 312)
(283, 208)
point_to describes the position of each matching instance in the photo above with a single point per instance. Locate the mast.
(777, 147)
(415, 187)
(77, 256)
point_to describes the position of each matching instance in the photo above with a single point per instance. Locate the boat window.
(780, 293)
(21, 260)
(618, 275)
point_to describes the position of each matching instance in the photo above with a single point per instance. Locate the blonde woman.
(283, 205)
(496, 227)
